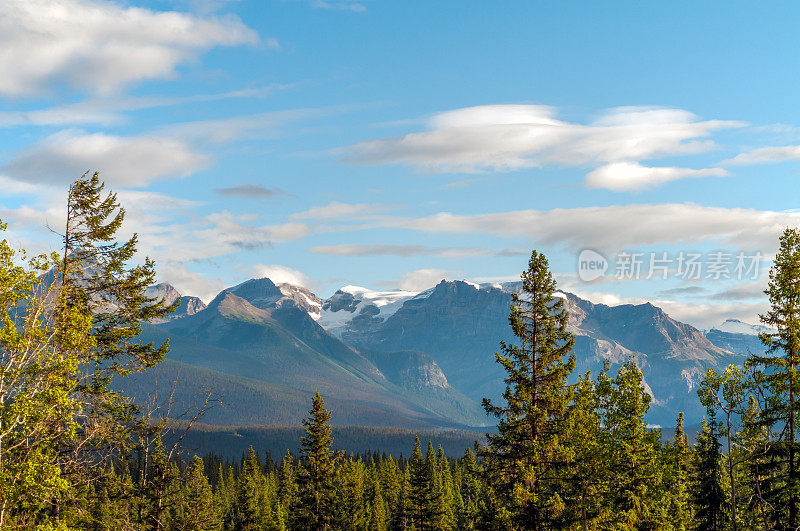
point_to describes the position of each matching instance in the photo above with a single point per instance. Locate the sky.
(650, 150)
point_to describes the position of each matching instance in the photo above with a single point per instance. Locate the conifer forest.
(567, 453)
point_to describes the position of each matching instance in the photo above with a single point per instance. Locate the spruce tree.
(197, 511)
(288, 483)
(779, 377)
(469, 491)
(377, 520)
(708, 493)
(350, 506)
(436, 511)
(315, 479)
(587, 478)
(631, 451)
(252, 504)
(526, 457)
(420, 489)
(445, 488)
(676, 476)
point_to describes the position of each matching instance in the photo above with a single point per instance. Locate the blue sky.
(394, 143)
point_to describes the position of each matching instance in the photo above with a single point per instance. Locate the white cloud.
(398, 250)
(630, 176)
(280, 274)
(705, 316)
(189, 282)
(98, 46)
(340, 5)
(422, 279)
(510, 137)
(110, 110)
(766, 155)
(14, 187)
(336, 210)
(749, 291)
(122, 161)
(223, 233)
(248, 126)
(616, 227)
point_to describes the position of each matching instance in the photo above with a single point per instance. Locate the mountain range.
(404, 359)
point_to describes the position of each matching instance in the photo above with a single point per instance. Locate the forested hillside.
(571, 449)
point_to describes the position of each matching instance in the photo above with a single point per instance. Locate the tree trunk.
(730, 474)
(792, 471)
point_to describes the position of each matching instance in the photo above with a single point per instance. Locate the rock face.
(741, 344)
(410, 370)
(187, 306)
(460, 325)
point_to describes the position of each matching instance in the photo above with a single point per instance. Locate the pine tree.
(252, 510)
(197, 510)
(420, 491)
(526, 456)
(708, 494)
(315, 479)
(781, 381)
(677, 457)
(631, 450)
(377, 520)
(288, 483)
(96, 282)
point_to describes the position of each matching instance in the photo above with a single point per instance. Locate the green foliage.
(709, 497)
(317, 472)
(68, 323)
(777, 377)
(527, 455)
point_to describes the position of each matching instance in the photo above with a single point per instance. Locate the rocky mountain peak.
(302, 298)
(166, 292)
(260, 292)
(163, 291)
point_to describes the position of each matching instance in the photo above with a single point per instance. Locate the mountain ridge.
(439, 342)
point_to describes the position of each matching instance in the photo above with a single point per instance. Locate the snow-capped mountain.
(460, 324)
(735, 326)
(354, 305)
(444, 338)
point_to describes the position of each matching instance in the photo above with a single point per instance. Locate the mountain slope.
(275, 343)
(460, 325)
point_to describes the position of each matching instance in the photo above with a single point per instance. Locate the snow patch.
(387, 302)
(735, 326)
